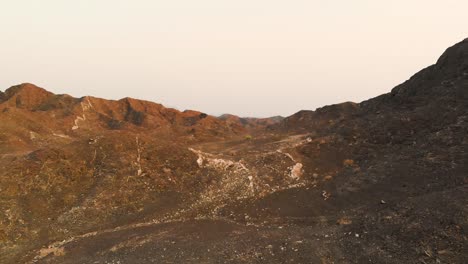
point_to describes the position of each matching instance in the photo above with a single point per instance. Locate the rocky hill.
(255, 125)
(88, 180)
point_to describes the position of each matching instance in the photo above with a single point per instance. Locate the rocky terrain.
(88, 180)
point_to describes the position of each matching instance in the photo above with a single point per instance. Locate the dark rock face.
(129, 181)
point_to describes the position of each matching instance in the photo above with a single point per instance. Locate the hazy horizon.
(248, 58)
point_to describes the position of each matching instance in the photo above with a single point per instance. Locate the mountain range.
(89, 180)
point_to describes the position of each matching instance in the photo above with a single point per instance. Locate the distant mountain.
(47, 113)
(251, 123)
(88, 180)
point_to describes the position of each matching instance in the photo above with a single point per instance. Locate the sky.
(253, 58)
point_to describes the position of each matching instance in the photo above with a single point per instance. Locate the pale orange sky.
(245, 57)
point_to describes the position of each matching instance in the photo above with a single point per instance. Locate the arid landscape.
(89, 180)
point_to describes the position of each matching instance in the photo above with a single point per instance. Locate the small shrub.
(348, 162)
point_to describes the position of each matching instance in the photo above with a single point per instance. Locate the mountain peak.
(25, 95)
(455, 58)
(24, 88)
